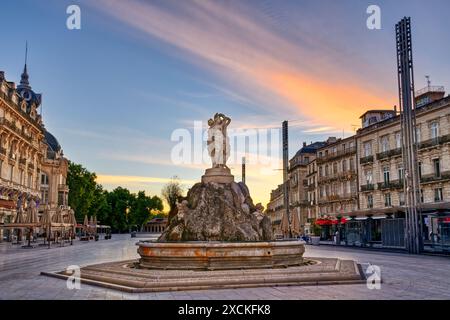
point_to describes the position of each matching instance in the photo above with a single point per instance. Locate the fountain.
(217, 239)
(216, 225)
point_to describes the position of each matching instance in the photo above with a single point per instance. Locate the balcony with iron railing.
(390, 185)
(431, 178)
(346, 196)
(434, 142)
(429, 89)
(367, 187)
(15, 129)
(348, 174)
(389, 153)
(337, 154)
(366, 160)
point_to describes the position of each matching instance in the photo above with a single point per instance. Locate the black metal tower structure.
(243, 170)
(285, 172)
(413, 234)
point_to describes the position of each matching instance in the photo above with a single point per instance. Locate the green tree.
(82, 187)
(120, 201)
(141, 208)
(100, 206)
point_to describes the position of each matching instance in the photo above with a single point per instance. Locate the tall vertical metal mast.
(243, 170)
(285, 172)
(413, 232)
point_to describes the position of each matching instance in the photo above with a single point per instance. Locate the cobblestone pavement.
(404, 276)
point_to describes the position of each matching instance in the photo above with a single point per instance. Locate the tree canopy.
(119, 208)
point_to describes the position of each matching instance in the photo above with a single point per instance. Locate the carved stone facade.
(53, 185)
(337, 178)
(24, 155)
(380, 161)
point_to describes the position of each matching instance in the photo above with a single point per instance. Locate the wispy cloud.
(260, 65)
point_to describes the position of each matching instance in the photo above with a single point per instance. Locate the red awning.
(7, 204)
(327, 222)
(323, 222)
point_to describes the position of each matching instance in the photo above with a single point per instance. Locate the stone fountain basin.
(212, 255)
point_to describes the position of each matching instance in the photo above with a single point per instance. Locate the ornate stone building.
(298, 190)
(298, 180)
(54, 189)
(24, 151)
(360, 178)
(380, 161)
(275, 209)
(337, 178)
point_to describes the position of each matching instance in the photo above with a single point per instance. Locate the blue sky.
(114, 91)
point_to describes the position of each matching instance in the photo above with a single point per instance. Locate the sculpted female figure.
(218, 141)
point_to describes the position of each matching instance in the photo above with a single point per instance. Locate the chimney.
(304, 144)
(395, 109)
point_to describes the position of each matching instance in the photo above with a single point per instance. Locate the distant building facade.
(360, 178)
(275, 209)
(156, 225)
(298, 182)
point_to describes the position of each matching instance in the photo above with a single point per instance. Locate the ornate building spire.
(24, 83)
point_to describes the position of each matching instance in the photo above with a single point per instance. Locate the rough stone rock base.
(125, 277)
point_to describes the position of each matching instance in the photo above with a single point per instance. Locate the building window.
(421, 196)
(369, 201)
(11, 171)
(44, 194)
(61, 199)
(398, 140)
(21, 177)
(1, 167)
(386, 175)
(367, 148)
(420, 169)
(434, 130)
(385, 144)
(352, 164)
(387, 200)
(401, 174)
(30, 180)
(326, 171)
(418, 135)
(401, 198)
(335, 168)
(44, 179)
(438, 195)
(344, 165)
(437, 168)
(369, 177)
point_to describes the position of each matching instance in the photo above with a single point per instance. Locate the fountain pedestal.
(218, 175)
(215, 255)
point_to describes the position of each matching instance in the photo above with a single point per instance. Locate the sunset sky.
(114, 91)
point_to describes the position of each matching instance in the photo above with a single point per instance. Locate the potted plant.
(316, 230)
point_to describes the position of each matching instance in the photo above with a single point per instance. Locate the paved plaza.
(404, 276)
